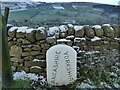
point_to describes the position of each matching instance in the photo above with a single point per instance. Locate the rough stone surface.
(31, 36)
(98, 32)
(108, 31)
(36, 70)
(28, 58)
(80, 32)
(116, 30)
(16, 60)
(89, 32)
(50, 40)
(20, 35)
(12, 33)
(70, 31)
(36, 47)
(35, 53)
(25, 46)
(26, 53)
(16, 51)
(40, 35)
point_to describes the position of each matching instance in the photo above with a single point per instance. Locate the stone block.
(16, 51)
(40, 36)
(89, 32)
(28, 58)
(26, 54)
(35, 53)
(16, 60)
(31, 36)
(36, 48)
(36, 70)
(50, 40)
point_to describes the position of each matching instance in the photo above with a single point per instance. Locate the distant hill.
(36, 14)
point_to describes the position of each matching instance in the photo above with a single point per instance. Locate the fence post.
(6, 67)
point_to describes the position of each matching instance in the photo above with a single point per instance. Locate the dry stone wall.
(28, 46)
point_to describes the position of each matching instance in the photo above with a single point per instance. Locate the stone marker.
(61, 65)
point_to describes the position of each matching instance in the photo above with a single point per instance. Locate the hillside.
(40, 13)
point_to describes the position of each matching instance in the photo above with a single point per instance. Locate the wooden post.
(6, 67)
(0, 49)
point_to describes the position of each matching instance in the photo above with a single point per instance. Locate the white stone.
(61, 65)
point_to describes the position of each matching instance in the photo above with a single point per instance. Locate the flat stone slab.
(61, 65)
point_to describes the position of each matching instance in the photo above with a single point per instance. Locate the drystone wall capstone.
(28, 46)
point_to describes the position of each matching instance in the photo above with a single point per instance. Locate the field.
(51, 14)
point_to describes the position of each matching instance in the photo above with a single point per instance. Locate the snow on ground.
(75, 6)
(58, 7)
(85, 85)
(26, 76)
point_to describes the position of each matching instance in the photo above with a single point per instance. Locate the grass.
(20, 84)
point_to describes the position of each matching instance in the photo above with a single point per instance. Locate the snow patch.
(36, 67)
(63, 40)
(37, 60)
(117, 39)
(25, 76)
(95, 39)
(53, 30)
(22, 29)
(58, 7)
(79, 39)
(86, 85)
(29, 30)
(63, 28)
(113, 74)
(13, 29)
(42, 29)
(92, 52)
(77, 28)
(70, 36)
(74, 6)
(111, 28)
(70, 25)
(97, 26)
(106, 25)
(104, 84)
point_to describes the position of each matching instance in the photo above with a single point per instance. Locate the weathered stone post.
(61, 65)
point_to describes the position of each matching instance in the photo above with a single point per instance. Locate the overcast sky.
(114, 2)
